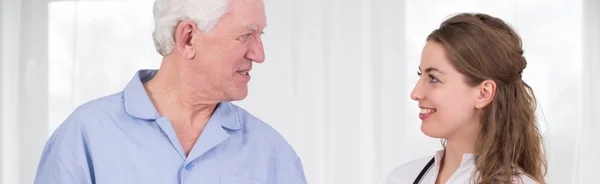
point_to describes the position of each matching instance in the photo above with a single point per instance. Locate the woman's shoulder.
(524, 179)
(408, 171)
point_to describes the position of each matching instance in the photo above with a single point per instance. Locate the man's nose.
(256, 51)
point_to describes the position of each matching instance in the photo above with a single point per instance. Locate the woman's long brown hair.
(483, 47)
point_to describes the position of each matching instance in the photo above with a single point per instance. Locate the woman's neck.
(454, 151)
(452, 159)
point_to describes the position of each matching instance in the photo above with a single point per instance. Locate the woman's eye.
(433, 79)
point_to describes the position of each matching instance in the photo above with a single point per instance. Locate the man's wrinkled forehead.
(247, 14)
(245, 5)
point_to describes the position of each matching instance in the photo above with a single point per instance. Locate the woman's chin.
(431, 131)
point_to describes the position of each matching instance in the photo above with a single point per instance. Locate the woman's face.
(446, 101)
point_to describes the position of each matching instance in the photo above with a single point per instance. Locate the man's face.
(224, 56)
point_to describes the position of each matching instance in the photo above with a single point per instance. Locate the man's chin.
(238, 95)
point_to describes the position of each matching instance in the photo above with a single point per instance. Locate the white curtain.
(586, 169)
(335, 83)
(24, 99)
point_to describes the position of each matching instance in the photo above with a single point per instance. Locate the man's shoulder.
(104, 106)
(252, 124)
(87, 116)
(89, 113)
(268, 143)
(255, 129)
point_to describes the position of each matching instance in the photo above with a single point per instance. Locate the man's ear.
(487, 91)
(184, 35)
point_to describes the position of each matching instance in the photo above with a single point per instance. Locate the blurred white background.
(335, 83)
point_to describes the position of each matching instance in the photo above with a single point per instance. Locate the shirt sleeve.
(300, 172)
(65, 158)
(291, 173)
(290, 169)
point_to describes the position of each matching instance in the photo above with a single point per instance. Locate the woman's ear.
(487, 91)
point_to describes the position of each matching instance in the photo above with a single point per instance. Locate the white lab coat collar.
(468, 160)
(406, 173)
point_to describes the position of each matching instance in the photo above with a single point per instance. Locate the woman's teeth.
(427, 111)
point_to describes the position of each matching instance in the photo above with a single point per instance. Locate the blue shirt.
(121, 138)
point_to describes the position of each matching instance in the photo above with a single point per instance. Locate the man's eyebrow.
(431, 69)
(252, 27)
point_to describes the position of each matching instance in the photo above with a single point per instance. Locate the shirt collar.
(228, 116)
(467, 159)
(137, 103)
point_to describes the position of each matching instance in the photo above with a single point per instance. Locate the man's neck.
(176, 100)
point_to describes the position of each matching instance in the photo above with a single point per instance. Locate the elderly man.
(177, 125)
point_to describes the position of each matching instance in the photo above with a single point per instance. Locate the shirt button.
(189, 166)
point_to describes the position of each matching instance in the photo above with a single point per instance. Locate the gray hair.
(168, 13)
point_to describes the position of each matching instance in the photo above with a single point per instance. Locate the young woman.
(472, 96)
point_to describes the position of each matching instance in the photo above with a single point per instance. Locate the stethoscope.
(423, 171)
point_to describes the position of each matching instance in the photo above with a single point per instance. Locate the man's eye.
(244, 37)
